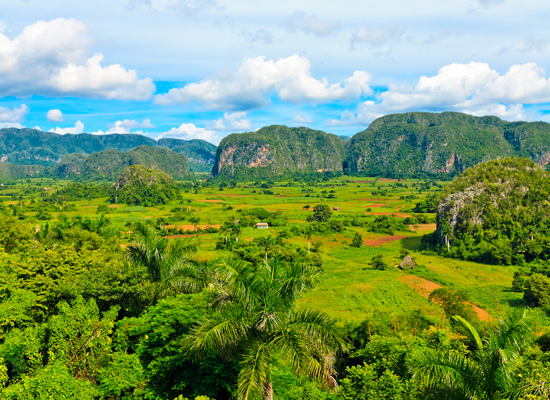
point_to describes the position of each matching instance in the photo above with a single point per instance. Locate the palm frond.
(447, 371)
(472, 332)
(255, 371)
(319, 327)
(222, 330)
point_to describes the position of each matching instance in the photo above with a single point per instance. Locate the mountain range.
(415, 144)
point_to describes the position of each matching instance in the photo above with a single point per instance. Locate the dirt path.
(425, 287)
(383, 240)
(376, 205)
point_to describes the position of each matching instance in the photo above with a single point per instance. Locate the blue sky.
(207, 68)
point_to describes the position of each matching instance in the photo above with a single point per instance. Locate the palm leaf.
(254, 374)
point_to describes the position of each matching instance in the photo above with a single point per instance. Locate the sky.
(202, 69)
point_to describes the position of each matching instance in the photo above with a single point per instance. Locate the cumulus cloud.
(77, 129)
(10, 125)
(190, 131)
(13, 115)
(232, 122)
(474, 88)
(364, 116)
(55, 115)
(310, 24)
(375, 37)
(51, 59)
(126, 126)
(290, 78)
(299, 120)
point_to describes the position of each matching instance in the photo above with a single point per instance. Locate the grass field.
(350, 289)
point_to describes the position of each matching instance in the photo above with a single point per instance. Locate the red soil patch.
(184, 236)
(383, 240)
(376, 205)
(188, 227)
(425, 287)
(397, 214)
(210, 201)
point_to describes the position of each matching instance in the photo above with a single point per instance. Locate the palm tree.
(225, 229)
(237, 230)
(488, 373)
(309, 234)
(189, 201)
(256, 312)
(169, 263)
(266, 242)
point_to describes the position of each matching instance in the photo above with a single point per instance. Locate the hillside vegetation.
(279, 150)
(496, 212)
(31, 146)
(138, 185)
(108, 164)
(419, 143)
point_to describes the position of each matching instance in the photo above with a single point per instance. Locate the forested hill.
(108, 164)
(279, 150)
(412, 144)
(32, 147)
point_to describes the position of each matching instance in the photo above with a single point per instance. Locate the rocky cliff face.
(278, 150)
(507, 188)
(410, 144)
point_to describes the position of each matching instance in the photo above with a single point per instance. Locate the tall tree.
(256, 312)
(488, 373)
(266, 242)
(169, 263)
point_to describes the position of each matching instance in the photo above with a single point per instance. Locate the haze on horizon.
(206, 68)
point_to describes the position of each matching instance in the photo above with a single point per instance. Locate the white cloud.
(375, 37)
(232, 122)
(15, 114)
(10, 125)
(298, 119)
(77, 129)
(190, 131)
(126, 126)
(55, 115)
(50, 58)
(290, 78)
(514, 112)
(474, 88)
(363, 117)
(310, 24)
